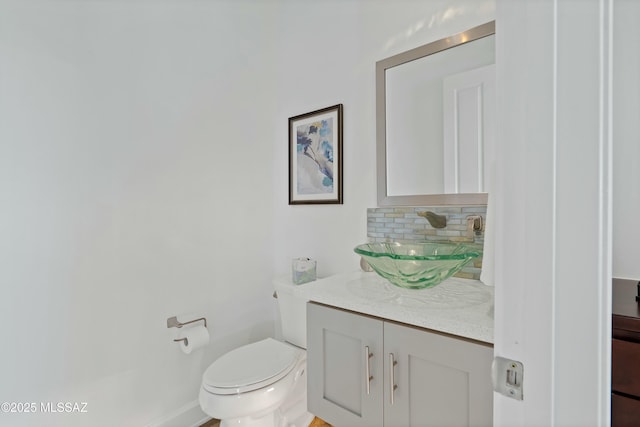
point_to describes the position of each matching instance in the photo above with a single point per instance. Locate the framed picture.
(315, 157)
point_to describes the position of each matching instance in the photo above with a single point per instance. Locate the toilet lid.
(250, 367)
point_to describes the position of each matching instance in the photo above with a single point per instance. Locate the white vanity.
(380, 355)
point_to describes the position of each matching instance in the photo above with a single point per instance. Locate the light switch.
(507, 376)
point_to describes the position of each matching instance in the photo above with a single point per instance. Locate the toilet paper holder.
(172, 322)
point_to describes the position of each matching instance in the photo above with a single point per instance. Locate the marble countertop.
(460, 307)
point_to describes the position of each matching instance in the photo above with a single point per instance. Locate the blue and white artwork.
(315, 157)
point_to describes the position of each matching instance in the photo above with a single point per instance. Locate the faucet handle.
(475, 223)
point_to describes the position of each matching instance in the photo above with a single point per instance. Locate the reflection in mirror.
(435, 113)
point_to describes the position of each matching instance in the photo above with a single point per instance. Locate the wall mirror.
(435, 115)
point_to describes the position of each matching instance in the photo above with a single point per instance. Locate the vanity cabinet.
(625, 354)
(366, 371)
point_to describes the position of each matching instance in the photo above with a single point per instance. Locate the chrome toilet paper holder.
(172, 322)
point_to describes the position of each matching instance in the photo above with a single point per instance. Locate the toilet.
(263, 384)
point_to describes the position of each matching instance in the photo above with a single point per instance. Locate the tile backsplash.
(402, 224)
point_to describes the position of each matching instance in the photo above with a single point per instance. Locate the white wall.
(135, 184)
(323, 65)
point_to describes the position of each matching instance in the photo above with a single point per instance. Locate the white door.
(468, 128)
(553, 208)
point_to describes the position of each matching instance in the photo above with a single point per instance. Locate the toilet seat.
(250, 367)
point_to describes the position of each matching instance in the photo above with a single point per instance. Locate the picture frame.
(315, 157)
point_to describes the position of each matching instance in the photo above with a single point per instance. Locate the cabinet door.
(337, 367)
(625, 370)
(441, 381)
(625, 411)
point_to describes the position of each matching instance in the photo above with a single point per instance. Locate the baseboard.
(189, 415)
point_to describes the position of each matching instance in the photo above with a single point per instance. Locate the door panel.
(468, 129)
(343, 389)
(434, 387)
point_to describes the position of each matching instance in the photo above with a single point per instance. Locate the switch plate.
(507, 376)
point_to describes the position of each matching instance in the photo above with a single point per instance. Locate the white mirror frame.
(384, 199)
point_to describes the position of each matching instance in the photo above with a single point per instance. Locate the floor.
(317, 422)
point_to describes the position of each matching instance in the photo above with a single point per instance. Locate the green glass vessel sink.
(417, 265)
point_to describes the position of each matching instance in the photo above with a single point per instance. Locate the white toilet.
(263, 384)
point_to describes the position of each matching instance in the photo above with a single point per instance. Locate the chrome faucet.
(436, 221)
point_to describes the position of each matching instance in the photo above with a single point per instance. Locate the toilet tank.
(293, 312)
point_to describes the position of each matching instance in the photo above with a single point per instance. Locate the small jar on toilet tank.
(303, 270)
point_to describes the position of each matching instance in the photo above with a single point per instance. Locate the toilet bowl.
(262, 384)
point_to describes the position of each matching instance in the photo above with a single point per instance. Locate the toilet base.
(292, 414)
(269, 420)
(273, 419)
(303, 420)
(295, 414)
